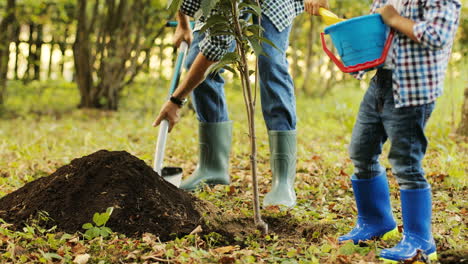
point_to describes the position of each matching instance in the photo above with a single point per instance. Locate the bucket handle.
(360, 66)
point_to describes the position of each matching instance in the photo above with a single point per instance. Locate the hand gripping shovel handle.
(164, 126)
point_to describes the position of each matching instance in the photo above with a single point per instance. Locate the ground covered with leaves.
(41, 130)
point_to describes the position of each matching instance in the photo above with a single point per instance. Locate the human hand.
(170, 112)
(388, 13)
(182, 33)
(312, 6)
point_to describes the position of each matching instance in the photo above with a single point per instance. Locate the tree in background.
(113, 39)
(463, 42)
(6, 37)
(463, 128)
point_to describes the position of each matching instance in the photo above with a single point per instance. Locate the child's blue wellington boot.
(213, 164)
(283, 168)
(375, 218)
(416, 208)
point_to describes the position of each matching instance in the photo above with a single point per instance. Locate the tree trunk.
(6, 35)
(250, 102)
(38, 51)
(309, 58)
(63, 48)
(463, 128)
(17, 31)
(49, 66)
(107, 46)
(82, 55)
(30, 58)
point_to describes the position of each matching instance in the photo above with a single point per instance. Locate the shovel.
(170, 174)
(328, 17)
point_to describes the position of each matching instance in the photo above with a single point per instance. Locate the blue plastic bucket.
(360, 39)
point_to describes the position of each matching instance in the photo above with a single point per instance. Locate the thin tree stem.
(250, 106)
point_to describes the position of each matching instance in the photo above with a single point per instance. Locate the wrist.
(183, 20)
(180, 102)
(393, 20)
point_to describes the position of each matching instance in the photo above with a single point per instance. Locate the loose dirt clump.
(142, 200)
(454, 256)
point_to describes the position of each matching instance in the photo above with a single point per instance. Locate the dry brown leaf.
(78, 249)
(154, 258)
(81, 259)
(149, 239)
(232, 190)
(227, 260)
(370, 256)
(224, 250)
(74, 240)
(197, 230)
(273, 209)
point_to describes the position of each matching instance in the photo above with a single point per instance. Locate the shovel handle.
(178, 67)
(175, 23)
(164, 126)
(160, 147)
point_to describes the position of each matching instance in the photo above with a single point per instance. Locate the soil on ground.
(142, 200)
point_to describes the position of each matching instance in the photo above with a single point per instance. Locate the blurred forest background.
(77, 76)
(103, 46)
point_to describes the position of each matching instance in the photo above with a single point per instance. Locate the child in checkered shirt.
(397, 105)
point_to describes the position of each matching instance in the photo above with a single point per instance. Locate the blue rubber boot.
(375, 218)
(283, 168)
(416, 208)
(213, 165)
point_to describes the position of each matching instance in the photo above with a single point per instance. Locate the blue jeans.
(379, 120)
(276, 85)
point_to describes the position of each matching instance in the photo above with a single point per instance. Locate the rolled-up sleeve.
(190, 7)
(215, 47)
(439, 25)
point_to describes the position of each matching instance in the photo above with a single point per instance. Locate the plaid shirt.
(419, 68)
(280, 12)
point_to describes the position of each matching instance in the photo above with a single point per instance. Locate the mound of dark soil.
(142, 200)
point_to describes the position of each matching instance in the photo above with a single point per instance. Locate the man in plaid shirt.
(277, 95)
(397, 106)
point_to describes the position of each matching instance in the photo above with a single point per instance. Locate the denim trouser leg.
(276, 85)
(367, 138)
(378, 119)
(208, 98)
(405, 128)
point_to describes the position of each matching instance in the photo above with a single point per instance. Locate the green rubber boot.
(283, 168)
(213, 164)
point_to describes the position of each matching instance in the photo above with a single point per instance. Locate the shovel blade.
(173, 175)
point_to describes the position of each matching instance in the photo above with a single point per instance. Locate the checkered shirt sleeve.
(419, 67)
(439, 25)
(280, 12)
(215, 47)
(190, 7)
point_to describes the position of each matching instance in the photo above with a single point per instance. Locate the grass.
(41, 130)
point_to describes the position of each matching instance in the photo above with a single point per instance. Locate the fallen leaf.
(224, 250)
(227, 260)
(232, 190)
(81, 259)
(273, 209)
(316, 157)
(78, 249)
(197, 230)
(149, 239)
